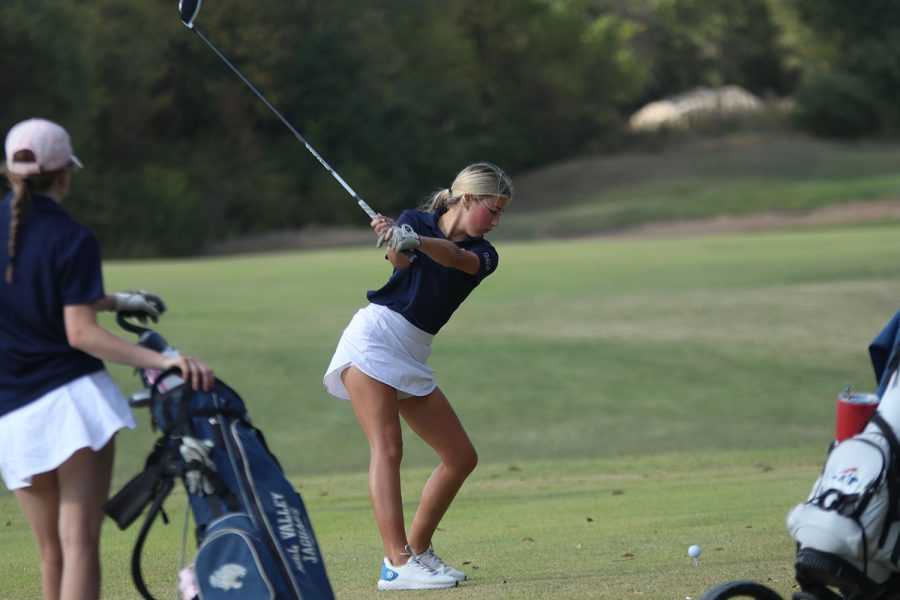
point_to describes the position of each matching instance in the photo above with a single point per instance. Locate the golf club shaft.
(362, 203)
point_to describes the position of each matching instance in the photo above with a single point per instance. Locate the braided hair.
(20, 207)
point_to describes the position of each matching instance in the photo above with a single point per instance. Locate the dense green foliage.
(396, 94)
(697, 42)
(854, 87)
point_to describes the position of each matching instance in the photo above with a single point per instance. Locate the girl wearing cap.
(59, 408)
(439, 255)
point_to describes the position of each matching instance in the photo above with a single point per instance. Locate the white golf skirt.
(385, 346)
(43, 434)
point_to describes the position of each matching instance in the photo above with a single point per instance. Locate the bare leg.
(434, 420)
(40, 505)
(84, 481)
(65, 510)
(375, 406)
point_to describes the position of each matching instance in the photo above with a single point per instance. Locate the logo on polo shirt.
(488, 263)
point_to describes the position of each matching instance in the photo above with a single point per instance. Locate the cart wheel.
(741, 588)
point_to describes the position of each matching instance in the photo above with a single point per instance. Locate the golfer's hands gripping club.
(403, 238)
(400, 238)
(140, 304)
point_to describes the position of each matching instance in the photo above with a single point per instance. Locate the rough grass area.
(736, 177)
(692, 186)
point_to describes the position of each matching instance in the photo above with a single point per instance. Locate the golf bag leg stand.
(155, 508)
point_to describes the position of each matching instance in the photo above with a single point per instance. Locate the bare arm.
(443, 252)
(85, 334)
(105, 304)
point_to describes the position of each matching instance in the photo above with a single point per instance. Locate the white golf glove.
(140, 304)
(402, 238)
(195, 477)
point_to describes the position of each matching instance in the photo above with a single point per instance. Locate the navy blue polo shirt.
(427, 293)
(57, 263)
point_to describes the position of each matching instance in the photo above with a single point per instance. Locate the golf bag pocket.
(851, 512)
(276, 510)
(233, 562)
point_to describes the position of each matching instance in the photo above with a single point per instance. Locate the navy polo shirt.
(427, 293)
(57, 263)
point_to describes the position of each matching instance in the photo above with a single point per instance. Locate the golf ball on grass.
(694, 551)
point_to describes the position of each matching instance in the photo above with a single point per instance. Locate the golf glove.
(195, 454)
(403, 238)
(141, 304)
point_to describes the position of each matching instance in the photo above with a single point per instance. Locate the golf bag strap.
(893, 362)
(165, 487)
(893, 513)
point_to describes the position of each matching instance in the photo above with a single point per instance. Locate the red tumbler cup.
(853, 412)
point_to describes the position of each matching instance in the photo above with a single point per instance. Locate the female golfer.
(439, 256)
(59, 408)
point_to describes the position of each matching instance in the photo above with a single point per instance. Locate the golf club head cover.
(195, 453)
(141, 304)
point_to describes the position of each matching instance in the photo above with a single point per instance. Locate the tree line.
(397, 95)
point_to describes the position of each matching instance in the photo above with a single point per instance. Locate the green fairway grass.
(628, 398)
(564, 529)
(718, 342)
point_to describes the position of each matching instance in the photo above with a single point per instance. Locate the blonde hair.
(20, 206)
(481, 179)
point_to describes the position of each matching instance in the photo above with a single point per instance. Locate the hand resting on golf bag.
(141, 303)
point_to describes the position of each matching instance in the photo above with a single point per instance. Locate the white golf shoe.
(414, 575)
(432, 560)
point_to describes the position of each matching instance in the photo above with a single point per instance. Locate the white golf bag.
(848, 530)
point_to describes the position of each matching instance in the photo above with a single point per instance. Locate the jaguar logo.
(228, 577)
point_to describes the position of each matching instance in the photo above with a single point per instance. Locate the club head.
(188, 10)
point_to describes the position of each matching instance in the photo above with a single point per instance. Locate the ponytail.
(482, 179)
(438, 200)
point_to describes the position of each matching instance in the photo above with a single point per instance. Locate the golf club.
(188, 10)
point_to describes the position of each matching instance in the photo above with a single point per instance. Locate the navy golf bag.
(255, 539)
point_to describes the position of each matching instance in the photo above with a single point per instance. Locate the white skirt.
(43, 434)
(385, 346)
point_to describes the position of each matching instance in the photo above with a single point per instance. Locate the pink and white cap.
(48, 142)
